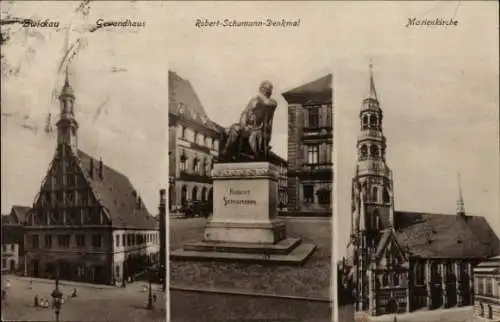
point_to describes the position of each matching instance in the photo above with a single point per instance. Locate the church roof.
(318, 91)
(116, 193)
(184, 102)
(430, 235)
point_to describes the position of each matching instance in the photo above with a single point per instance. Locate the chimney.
(91, 170)
(100, 169)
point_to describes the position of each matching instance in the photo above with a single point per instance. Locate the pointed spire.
(460, 200)
(373, 92)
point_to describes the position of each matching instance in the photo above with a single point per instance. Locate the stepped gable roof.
(318, 91)
(183, 102)
(430, 235)
(117, 194)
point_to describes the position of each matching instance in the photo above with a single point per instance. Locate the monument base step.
(296, 256)
(282, 247)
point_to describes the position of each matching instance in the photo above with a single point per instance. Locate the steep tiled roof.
(19, 213)
(445, 236)
(316, 92)
(183, 101)
(117, 194)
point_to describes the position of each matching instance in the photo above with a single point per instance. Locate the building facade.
(403, 261)
(87, 223)
(282, 181)
(310, 147)
(487, 290)
(193, 145)
(13, 239)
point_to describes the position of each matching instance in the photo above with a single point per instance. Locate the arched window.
(195, 164)
(374, 151)
(203, 167)
(204, 194)
(375, 194)
(386, 196)
(395, 279)
(184, 194)
(194, 194)
(364, 121)
(373, 121)
(385, 280)
(363, 152)
(183, 132)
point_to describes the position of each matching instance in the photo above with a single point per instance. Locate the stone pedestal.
(244, 225)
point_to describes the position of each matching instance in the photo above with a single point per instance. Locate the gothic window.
(395, 279)
(183, 195)
(34, 241)
(313, 154)
(183, 132)
(419, 273)
(386, 195)
(203, 166)
(70, 198)
(363, 152)
(313, 117)
(59, 197)
(374, 151)
(308, 193)
(96, 240)
(375, 194)
(63, 241)
(385, 280)
(195, 137)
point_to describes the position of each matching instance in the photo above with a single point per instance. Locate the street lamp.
(150, 294)
(57, 296)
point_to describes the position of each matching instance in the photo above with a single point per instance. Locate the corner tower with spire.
(67, 126)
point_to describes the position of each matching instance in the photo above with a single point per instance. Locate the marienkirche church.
(402, 261)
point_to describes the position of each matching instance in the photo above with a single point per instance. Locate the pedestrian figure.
(144, 288)
(7, 285)
(31, 285)
(74, 293)
(395, 319)
(37, 302)
(154, 297)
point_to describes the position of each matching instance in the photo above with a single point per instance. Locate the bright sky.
(226, 66)
(130, 131)
(438, 89)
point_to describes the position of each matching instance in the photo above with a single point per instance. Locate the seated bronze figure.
(248, 140)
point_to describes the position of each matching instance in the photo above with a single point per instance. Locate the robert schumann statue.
(248, 140)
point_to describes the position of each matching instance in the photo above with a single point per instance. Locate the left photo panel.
(83, 161)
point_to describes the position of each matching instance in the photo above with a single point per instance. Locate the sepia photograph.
(417, 171)
(83, 161)
(250, 169)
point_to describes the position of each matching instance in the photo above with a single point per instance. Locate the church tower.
(67, 126)
(372, 192)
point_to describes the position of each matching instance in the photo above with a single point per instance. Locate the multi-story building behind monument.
(402, 261)
(88, 222)
(13, 239)
(310, 143)
(193, 145)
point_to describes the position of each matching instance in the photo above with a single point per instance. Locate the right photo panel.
(417, 166)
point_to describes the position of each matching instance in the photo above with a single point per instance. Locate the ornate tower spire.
(372, 172)
(460, 200)
(67, 125)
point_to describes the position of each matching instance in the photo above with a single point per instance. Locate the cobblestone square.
(93, 302)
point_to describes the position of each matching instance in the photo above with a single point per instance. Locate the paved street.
(463, 314)
(92, 303)
(194, 307)
(312, 280)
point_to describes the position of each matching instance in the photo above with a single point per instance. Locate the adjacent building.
(13, 239)
(310, 144)
(88, 222)
(193, 145)
(402, 261)
(487, 290)
(282, 181)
